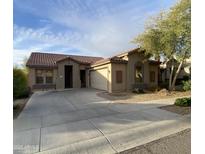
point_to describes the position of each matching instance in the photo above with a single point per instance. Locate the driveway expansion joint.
(40, 135)
(103, 136)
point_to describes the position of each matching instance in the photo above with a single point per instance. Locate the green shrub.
(186, 85)
(20, 86)
(183, 101)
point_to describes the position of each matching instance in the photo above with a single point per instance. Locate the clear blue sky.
(81, 27)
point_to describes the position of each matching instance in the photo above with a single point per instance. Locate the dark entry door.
(68, 76)
(82, 78)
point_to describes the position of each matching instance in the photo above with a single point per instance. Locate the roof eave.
(107, 62)
(128, 52)
(42, 66)
(84, 63)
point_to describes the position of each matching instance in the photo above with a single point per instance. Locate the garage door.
(98, 79)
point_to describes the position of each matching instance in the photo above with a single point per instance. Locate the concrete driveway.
(78, 121)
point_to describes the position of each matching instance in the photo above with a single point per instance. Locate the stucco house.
(119, 73)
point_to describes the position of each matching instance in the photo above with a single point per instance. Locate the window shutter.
(118, 76)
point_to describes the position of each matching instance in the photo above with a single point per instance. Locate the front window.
(49, 77)
(39, 77)
(138, 74)
(39, 80)
(44, 76)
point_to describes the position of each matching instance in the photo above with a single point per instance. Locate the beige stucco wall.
(55, 75)
(132, 60)
(60, 82)
(31, 77)
(119, 87)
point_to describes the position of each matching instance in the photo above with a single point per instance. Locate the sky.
(80, 27)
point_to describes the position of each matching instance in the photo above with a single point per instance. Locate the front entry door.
(82, 78)
(68, 76)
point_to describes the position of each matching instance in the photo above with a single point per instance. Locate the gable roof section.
(110, 60)
(117, 58)
(38, 59)
(128, 52)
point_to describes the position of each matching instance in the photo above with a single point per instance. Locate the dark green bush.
(20, 86)
(186, 85)
(183, 101)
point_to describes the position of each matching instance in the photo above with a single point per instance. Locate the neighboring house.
(184, 74)
(119, 73)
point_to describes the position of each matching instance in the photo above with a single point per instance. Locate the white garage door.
(98, 79)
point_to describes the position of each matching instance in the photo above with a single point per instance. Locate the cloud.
(103, 28)
(19, 56)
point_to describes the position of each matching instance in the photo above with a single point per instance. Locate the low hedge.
(20, 84)
(183, 102)
(186, 85)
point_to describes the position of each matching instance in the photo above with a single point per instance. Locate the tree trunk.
(170, 76)
(176, 74)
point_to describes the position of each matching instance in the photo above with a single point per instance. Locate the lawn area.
(148, 96)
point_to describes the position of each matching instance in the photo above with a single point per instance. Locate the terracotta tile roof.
(38, 59)
(112, 59)
(117, 58)
(129, 51)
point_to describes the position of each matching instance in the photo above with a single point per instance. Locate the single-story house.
(119, 73)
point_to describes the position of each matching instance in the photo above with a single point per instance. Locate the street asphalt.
(179, 143)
